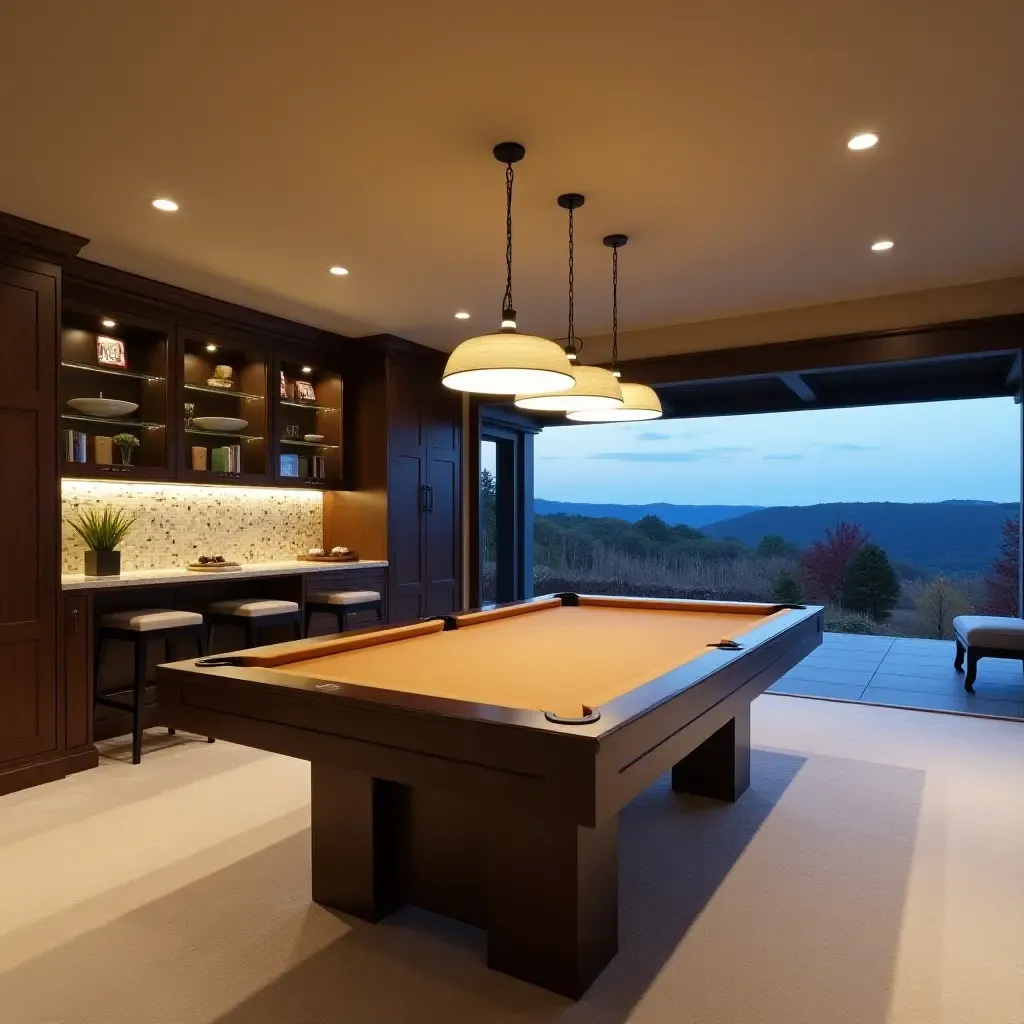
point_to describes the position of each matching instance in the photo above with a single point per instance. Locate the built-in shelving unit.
(92, 342)
(309, 404)
(202, 359)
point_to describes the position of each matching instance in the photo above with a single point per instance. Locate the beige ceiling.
(296, 135)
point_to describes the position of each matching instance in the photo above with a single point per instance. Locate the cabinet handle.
(423, 498)
(430, 498)
(74, 620)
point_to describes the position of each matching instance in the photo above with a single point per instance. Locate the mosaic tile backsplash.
(178, 523)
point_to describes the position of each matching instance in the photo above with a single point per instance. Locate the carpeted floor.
(873, 874)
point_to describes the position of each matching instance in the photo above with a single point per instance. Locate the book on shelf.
(103, 450)
(226, 459)
(76, 446)
(198, 458)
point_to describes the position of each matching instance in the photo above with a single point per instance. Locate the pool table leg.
(720, 766)
(552, 900)
(356, 827)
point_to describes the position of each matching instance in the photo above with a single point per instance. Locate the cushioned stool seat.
(986, 636)
(345, 597)
(254, 614)
(141, 627)
(150, 619)
(255, 609)
(340, 603)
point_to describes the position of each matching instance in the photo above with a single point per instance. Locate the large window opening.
(897, 518)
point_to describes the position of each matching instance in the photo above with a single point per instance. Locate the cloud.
(783, 457)
(694, 455)
(847, 446)
(653, 435)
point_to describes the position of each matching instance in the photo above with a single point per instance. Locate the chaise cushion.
(994, 631)
(250, 609)
(150, 618)
(345, 597)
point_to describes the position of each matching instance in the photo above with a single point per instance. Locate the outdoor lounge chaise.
(986, 636)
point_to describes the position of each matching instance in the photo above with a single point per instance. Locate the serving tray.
(213, 567)
(350, 557)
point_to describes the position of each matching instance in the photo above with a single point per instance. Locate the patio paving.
(904, 672)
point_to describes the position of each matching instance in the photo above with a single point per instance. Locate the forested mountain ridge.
(954, 537)
(673, 515)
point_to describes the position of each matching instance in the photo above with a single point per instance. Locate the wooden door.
(443, 569)
(28, 512)
(407, 495)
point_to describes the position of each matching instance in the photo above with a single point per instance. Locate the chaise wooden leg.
(958, 661)
(972, 670)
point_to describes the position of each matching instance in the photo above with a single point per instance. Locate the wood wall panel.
(28, 513)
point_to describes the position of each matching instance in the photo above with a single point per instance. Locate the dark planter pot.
(103, 563)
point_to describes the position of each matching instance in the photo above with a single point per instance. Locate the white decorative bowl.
(220, 424)
(108, 408)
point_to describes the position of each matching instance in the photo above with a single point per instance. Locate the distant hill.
(674, 515)
(957, 537)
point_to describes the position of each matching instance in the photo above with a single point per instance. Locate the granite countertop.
(142, 577)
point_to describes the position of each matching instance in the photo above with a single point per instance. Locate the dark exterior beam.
(798, 386)
(943, 341)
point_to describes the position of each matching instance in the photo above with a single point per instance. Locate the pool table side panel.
(532, 770)
(634, 756)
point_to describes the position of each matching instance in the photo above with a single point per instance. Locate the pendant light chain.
(507, 309)
(572, 297)
(615, 309)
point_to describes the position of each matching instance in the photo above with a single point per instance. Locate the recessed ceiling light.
(108, 322)
(167, 205)
(307, 369)
(863, 141)
(211, 347)
(882, 245)
(462, 315)
(338, 271)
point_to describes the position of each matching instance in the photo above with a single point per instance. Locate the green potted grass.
(102, 532)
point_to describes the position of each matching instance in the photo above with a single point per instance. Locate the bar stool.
(340, 603)
(141, 628)
(254, 615)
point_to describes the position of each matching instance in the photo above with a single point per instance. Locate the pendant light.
(507, 362)
(595, 387)
(639, 402)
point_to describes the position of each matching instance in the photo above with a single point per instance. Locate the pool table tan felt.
(553, 657)
(476, 766)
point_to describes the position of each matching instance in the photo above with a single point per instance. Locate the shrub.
(839, 620)
(787, 588)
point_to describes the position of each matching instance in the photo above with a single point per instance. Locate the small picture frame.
(304, 391)
(284, 386)
(289, 465)
(110, 352)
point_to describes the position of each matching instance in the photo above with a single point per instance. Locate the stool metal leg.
(297, 624)
(171, 731)
(141, 649)
(250, 634)
(342, 618)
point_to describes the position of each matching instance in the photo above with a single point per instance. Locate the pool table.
(475, 765)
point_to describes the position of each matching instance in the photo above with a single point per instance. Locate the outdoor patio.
(907, 673)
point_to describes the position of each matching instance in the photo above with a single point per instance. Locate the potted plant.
(125, 444)
(102, 532)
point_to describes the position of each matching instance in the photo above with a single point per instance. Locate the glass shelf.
(309, 405)
(306, 444)
(112, 370)
(223, 433)
(111, 423)
(206, 389)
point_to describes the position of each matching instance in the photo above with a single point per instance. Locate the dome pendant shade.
(595, 389)
(639, 403)
(506, 363)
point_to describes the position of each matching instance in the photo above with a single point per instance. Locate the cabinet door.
(407, 495)
(444, 507)
(28, 513)
(77, 670)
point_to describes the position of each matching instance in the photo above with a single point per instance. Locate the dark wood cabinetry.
(33, 745)
(406, 505)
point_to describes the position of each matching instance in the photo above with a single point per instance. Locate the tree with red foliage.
(1001, 581)
(826, 561)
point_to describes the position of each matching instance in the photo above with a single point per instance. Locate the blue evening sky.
(923, 452)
